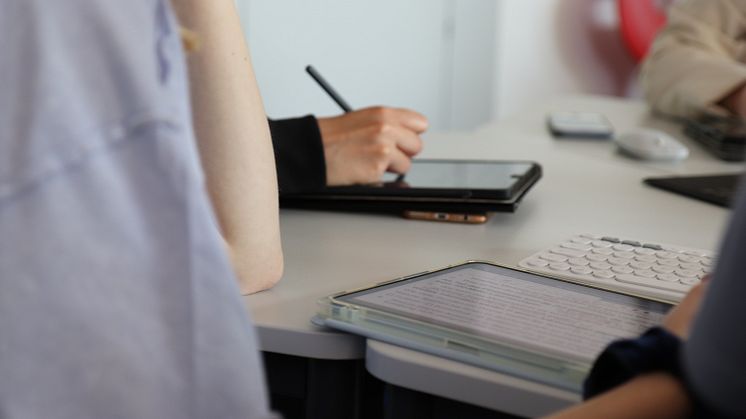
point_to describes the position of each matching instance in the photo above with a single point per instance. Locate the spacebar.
(653, 283)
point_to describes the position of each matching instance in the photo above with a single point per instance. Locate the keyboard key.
(652, 246)
(690, 281)
(576, 246)
(644, 251)
(602, 251)
(690, 259)
(590, 236)
(610, 239)
(653, 283)
(581, 240)
(596, 258)
(623, 247)
(663, 269)
(622, 269)
(632, 243)
(599, 243)
(645, 273)
(537, 262)
(581, 270)
(646, 258)
(578, 261)
(663, 254)
(619, 261)
(692, 266)
(641, 265)
(603, 274)
(552, 257)
(602, 266)
(559, 266)
(668, 262)
(687, 273)
(672, 249)
(668, 277)
(567, 252)
(624, 255)
(694, 253)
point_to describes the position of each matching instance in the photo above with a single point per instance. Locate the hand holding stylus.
(359, 146)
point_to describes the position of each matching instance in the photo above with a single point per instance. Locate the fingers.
(408, 119)
(383, 156)
(398, 162)
(404, 139)
(405, 118)
(360, 146)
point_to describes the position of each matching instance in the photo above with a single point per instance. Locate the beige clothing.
(698, 58)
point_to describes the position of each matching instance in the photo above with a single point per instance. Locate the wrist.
(657, 350)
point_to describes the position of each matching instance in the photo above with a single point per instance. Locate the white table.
(587, 187)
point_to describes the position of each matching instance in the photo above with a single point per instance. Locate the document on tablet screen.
(540, 313)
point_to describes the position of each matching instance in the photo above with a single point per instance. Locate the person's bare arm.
(654, 396)
(234, 141)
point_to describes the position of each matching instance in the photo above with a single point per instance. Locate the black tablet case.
(372, 200)
(715, 189)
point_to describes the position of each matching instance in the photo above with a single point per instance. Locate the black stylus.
(328, 89)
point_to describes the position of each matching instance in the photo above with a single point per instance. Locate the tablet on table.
(504, 319)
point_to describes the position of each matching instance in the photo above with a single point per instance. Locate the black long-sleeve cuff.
(656, 349)
(299, 154)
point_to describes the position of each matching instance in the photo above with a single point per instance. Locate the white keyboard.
(659, 271)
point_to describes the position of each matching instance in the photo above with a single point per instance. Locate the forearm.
(655, 396)
(234, 141)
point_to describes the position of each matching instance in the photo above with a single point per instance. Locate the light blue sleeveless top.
(116, 298)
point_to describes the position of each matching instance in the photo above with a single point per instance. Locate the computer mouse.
(651, 144)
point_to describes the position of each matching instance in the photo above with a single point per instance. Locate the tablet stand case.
(396, 204)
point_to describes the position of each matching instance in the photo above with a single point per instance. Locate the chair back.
(639, 22)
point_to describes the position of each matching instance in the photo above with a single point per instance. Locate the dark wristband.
(656, 350)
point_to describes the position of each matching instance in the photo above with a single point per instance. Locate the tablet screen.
(462, 174)
(525, 309)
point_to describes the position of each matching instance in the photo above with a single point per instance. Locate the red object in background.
(639, 22)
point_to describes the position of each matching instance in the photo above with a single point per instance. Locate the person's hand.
(736, 102)
(679, 319)
(360, 146)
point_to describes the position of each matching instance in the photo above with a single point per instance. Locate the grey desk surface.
(587, 187)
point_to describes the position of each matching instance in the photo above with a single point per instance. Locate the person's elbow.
(262, 281)
(259, 274)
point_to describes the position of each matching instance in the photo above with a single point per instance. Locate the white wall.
(461, 63)
(551, 47)
(435, 56)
